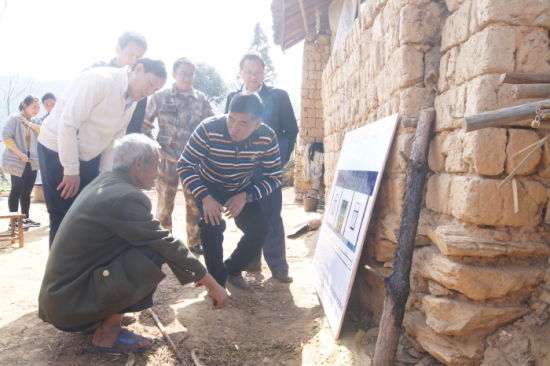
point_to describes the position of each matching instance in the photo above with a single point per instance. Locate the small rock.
(545, 296)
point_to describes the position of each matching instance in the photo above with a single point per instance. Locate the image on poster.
(349, 207)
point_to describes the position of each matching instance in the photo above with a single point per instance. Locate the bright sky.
(55, 39)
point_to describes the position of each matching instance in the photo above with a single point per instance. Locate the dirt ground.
(274, 324)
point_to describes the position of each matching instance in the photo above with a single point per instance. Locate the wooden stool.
(13, 234)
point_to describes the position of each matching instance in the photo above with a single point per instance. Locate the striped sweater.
(212, 158)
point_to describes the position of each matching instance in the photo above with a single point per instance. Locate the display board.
(347, 214)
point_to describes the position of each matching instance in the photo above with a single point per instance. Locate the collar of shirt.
(259, 91)
(128, 100)
(177, 93)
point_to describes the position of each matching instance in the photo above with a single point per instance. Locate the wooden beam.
(283, 25)
(503, 116)
(304, 15)
(516, 78)
(398, 284)
(531, 91)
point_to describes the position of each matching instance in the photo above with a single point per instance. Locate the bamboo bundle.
(542, 114)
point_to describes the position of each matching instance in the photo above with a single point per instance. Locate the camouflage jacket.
(178, 115)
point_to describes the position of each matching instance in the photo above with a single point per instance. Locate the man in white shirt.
(76, 140)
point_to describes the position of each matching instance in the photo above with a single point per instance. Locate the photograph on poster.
(350, 203)
(351, 195)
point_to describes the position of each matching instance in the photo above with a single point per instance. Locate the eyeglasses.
(254, 74)
(182, 74)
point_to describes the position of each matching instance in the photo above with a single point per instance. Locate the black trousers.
(21, 188)
(52, 174)
(274, 246)
(251, 221)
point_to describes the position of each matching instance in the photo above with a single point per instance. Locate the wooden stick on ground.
(397, 285)
(165, 334)
(195, 357)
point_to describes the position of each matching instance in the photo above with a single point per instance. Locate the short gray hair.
(132, 148)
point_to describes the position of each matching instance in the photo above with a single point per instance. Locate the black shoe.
(238, 281)
(283, 277)
(197, 250)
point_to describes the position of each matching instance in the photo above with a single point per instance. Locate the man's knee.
(210, 229)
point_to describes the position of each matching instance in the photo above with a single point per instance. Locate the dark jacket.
(94, 269)
(279, 115)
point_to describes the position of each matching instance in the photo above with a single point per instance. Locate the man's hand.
(234, 205)
(218, 293)
(69, 186)
(212, 210)
(24, 158)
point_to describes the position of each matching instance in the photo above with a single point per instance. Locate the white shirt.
(91, 114)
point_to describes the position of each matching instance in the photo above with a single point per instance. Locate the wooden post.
(503, 116)
(397, 285)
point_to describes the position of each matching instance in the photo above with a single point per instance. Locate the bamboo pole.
(531, 91)
(503, 116)
(518, 78)
(397, 285)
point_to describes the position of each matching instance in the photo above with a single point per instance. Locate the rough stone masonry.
(480, 267)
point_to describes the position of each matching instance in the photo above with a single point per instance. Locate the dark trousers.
(251, 221)
(21, 188)
(274, 245)
(52, 175)
(142, 304)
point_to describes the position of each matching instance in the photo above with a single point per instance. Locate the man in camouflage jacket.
(179, 110)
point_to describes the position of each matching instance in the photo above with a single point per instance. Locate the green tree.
(209, 81)
(261, 44)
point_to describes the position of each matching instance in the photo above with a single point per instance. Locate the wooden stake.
(397, 285)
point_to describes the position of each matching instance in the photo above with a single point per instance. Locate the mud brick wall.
(316, 54)
(480, 268)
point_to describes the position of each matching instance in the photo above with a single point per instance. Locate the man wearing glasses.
(178, 110)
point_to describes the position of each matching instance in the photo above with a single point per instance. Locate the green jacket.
(94, 269)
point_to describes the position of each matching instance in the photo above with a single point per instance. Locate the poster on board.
(347, 214)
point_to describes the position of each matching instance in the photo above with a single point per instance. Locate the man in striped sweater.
(217, 166)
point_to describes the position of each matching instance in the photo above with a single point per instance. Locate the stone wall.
(479, 264)
(316, 53)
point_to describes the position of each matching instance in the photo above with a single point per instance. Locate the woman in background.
(20, 158)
